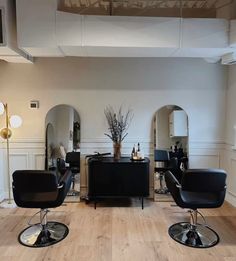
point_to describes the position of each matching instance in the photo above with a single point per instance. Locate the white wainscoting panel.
(232, 176)
(204, 161)
(205, 154)
(2, 195)
(39, 161)
(229, 164)
(29, 154)
(231, 198)
(24, 154)
(18, 160)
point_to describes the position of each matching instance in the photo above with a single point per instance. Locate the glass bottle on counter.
(139, 156)
(133, 152)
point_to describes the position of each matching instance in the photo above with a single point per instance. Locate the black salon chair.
(41, 189)
(161, 157)
(199, 188)
(73, 159)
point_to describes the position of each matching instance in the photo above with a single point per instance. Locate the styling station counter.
(118, 178)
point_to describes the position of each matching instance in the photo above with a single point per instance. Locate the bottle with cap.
(139, 152)
(133, 152)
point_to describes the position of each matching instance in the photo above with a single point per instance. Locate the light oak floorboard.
(118, 232)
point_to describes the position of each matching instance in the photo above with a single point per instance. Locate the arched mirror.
(171, 146)
(62, 133)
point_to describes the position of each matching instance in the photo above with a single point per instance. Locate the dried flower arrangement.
(118, 123)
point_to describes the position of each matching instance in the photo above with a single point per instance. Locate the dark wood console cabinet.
(118, 178)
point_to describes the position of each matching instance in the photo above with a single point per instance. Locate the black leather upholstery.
(204, 180)
(39, 188)
(174, 168)
(168, 163)
(73, 158)
(199, 188)
(161, 155)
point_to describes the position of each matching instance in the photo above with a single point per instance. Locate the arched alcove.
(171, 126)
(62, 132)
(171, 133)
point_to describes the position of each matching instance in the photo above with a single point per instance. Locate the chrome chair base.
(41, 236)
(161, 191)
(198, 236)
(73, 192)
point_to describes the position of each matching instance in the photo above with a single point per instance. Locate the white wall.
(163, 133)
(144, 85)
(64, 124)
(230, 149)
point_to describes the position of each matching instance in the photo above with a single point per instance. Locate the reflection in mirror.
(63, 145)
(49, 145)
(171, 135)
(171, 128)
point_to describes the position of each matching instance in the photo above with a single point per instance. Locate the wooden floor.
(119, 233)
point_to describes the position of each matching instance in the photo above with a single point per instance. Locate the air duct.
(229, 58)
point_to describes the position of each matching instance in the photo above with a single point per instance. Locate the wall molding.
(34, 151)
(23, 154)
(105, 142)
(230, 147)
(38, 159)
(24, 143)
(229, 165)
(218, 144)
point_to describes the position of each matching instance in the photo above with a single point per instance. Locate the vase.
(117, 150)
